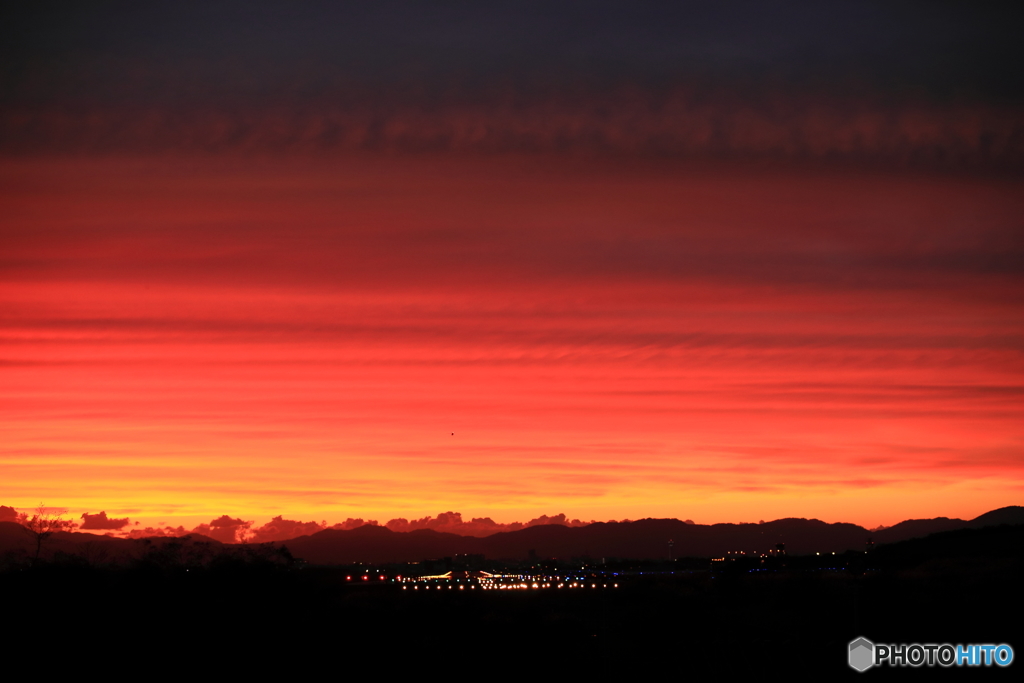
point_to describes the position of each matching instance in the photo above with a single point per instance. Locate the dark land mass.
(199, 606)
(646, 539)
(642, 539)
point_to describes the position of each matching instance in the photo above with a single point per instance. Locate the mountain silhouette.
(641, 539)
(645, 539)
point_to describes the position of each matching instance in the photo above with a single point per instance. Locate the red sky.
(718, 261)
(188, 337)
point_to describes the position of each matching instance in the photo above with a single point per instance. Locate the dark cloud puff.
(8, 514)
(354, 523)
(452, 523)
(224, 529)
(100, 521)
(280, 529)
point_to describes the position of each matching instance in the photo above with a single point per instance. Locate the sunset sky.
(512, 259)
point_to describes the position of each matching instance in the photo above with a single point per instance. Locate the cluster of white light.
(488, 581)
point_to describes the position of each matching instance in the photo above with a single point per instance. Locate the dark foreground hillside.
(255, 611)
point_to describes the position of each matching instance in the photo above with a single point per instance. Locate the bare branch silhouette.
(43, 524)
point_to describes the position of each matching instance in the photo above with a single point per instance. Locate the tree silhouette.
(43, 524)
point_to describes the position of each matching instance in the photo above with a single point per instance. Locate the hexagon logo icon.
(862, 654)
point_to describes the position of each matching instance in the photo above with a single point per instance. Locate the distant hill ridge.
(640, 539)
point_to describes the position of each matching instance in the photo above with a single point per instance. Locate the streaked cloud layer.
(263, 263)
(902, 83)
(380, 338)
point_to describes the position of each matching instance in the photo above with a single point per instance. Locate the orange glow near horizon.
(382, 338)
